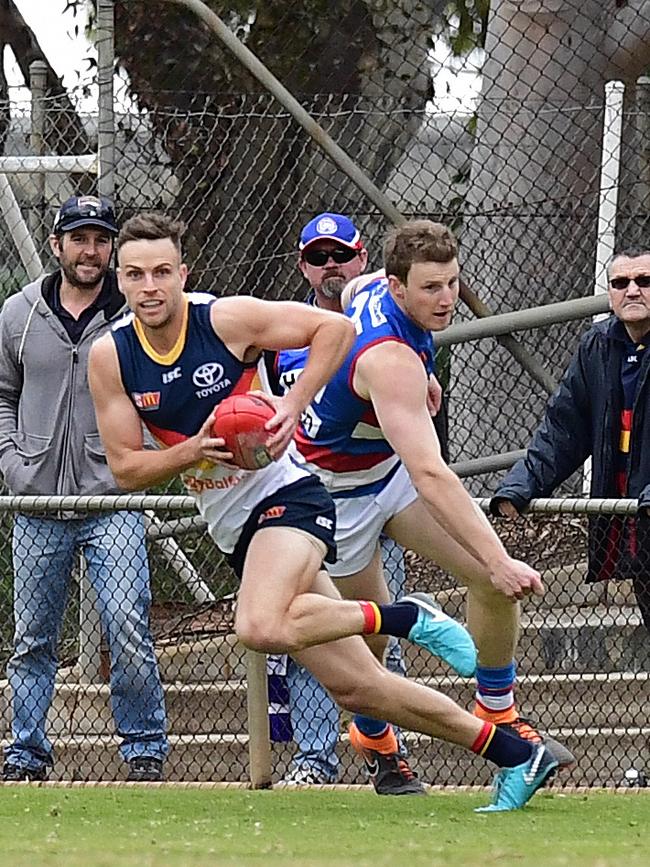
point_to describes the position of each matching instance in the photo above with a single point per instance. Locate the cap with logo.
(80, 211)
(331, 227)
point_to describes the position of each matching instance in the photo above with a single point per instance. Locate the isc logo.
(171, 375)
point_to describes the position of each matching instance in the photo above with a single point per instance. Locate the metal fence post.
(257, 702)
(178, 561)
(37, 86)
(17, 228)
(607, 206)
(105, 42)
(90, 631)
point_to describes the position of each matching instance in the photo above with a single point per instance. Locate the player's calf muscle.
(264, 633)
(377, 645)
(364, 692)
(275, 626)
(316, 619)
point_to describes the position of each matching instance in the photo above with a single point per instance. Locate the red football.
(240, 420)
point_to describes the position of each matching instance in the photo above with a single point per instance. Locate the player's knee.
(356, 699)
(258, 639)
(261, 634)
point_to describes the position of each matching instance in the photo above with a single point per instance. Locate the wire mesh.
(517, 172)
(583, 659)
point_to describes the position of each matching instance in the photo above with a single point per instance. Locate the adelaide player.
(370, 438)
(167, 364)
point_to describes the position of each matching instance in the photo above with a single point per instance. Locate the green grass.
(187, 828)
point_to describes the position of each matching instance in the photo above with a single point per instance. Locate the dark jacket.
(583, 419)
(49, 442)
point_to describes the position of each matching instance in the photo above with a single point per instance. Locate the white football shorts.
(360, 521)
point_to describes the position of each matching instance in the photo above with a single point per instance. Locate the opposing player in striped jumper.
(368, 435)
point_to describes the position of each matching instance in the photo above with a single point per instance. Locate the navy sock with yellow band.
(504, 749)
(396, 619)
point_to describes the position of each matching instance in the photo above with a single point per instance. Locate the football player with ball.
(167, 364)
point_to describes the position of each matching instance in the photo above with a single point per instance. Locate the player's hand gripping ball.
(240, 420)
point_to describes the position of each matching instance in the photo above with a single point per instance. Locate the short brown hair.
(417, 241)
(151, 227)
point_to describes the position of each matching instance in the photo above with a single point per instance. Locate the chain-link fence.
(522, 173)
(540, 185)
(583, 658)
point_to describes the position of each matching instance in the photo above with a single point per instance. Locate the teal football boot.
(441, 635)
(514, 787)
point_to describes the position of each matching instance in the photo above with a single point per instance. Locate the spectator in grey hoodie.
(49, 445)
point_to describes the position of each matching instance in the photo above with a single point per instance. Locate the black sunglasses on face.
(642, 281)
(318, 258)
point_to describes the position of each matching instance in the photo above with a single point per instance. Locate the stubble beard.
(332, 287)
(72, 278)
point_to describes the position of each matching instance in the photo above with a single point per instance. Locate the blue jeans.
(113, 546)
(314, 716)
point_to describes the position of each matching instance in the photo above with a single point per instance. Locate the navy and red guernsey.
(339, 435)
(630, 370)
(623, 533)
(175, 393)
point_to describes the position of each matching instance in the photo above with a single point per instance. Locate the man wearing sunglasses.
(331, 255)
(602, 409)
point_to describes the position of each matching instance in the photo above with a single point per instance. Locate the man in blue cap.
(331, 254)
(368, 436)
(50, 445)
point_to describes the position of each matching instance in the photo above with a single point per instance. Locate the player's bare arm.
(357, 284)
(133, 466)
(434, 395)
(248, 325)
(404, 418)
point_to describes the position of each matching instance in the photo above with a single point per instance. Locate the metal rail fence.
(583, 660)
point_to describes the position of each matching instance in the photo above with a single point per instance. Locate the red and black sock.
(504, 749)
(396, 619)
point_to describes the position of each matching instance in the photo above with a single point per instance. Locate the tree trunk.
(64, 131)
(250, 177)
(5, 116)
(530, 228)
(634, 182)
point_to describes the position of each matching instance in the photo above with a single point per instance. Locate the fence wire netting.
(494, 121)
(583, 658)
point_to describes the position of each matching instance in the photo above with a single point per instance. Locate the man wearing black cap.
(49, 445)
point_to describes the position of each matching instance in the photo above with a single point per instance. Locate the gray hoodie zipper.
(74, 360)
(66, 435)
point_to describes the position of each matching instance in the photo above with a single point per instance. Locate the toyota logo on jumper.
(209, 379)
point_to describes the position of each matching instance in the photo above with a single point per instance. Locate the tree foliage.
(361, 65)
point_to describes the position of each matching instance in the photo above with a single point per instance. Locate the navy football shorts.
(305, 505)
